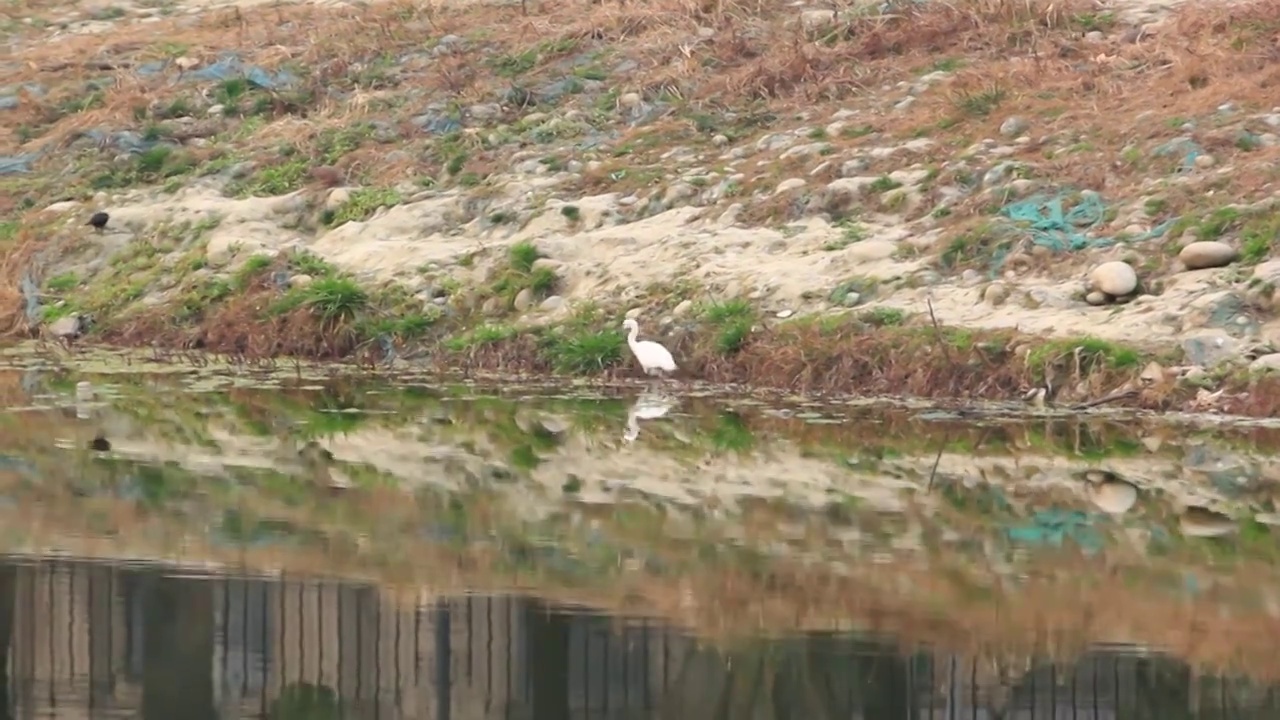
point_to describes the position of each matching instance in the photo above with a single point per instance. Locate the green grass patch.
(520, 274)
(731, 321)
(487, 334)
(581, 351)
(979, 245)
(334, 298)
(362, 204)
(1094, 354)
(883, 317)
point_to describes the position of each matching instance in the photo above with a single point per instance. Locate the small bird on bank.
(654, 358)
(98, 221)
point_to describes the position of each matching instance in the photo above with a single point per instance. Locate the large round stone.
(1207, 254)
(1114, 278)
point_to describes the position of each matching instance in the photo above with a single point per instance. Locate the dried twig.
(937, 331)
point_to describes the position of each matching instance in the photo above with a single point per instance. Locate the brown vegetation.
(1009, 53)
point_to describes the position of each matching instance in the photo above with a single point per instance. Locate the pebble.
(337, 198)
(68, 326)
(1114, 278)
(995, 294)
(1014, 126)
(524, 300)
(1114, 497)
(1270, 362)
(1207, 254)
(1096, 297)
(788, 185)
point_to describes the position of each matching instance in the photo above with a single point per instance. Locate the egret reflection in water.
(648, 406)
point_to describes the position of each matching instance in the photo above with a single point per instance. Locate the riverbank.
(882, 201)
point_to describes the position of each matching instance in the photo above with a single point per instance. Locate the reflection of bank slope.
(1038, 483)
(711, 517)
(132, 639)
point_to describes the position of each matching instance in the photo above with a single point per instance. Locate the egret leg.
(650, 372)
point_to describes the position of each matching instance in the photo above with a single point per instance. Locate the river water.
(202, 545)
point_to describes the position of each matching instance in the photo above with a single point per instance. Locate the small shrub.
(731, 321)
(329, 298)
(883, 317)
(584, 352)
(521, 256)
(362, 204)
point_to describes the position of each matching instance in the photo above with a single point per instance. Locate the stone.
(788, 185)
(1014, 126)
(1268, 271)
(871, 250)
(1151, 374)
(524, 300)
(1269, 362)
(995, 294)
(486, 111)
(68, 326)
(1114, 497)
(1209, 348)
(682, 308)
(1207, 254)
(337, 198)
(1114, 278)
(1096, 297)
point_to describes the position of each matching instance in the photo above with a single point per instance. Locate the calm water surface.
(201, 547)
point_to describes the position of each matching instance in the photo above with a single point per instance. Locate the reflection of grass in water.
(305, 701)
(524, 457)
(161, 484)
(328, 424)
(731, 433)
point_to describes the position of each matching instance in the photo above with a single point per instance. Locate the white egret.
(653, 357)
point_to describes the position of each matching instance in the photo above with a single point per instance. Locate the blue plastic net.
(1064, 221)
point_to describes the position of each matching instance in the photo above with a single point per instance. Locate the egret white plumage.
(652, 356)
(647, 407)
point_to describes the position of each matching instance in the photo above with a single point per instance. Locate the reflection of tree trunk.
(1162, 689)
(549, 637)
(8, 598)
(177, 675)
(444, 660)
(698, 687)
(887, 682)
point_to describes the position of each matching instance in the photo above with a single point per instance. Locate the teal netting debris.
(1054, 225)
(1054, 222)
(1055, 527)
(1189, 149)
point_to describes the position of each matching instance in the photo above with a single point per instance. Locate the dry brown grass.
(1033, 51)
